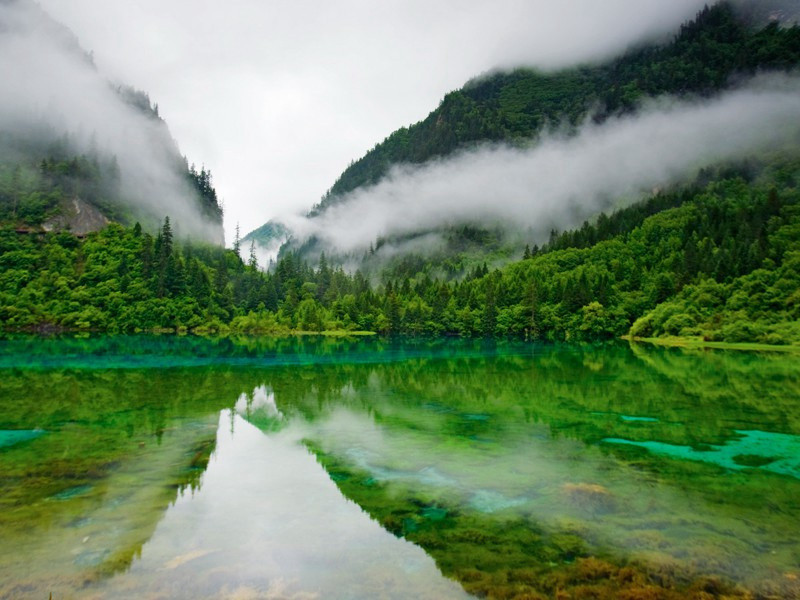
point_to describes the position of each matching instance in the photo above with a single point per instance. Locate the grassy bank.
(697, 342)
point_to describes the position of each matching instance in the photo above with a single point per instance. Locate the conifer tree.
(253, 260)
(237, 242)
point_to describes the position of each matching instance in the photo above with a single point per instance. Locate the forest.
(717, 259)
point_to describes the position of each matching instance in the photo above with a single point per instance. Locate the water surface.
(310, 468)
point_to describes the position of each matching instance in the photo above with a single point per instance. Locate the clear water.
(164, 467)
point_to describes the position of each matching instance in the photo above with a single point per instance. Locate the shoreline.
(698, 343)
(182, 331)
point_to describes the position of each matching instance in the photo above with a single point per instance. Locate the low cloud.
(53, 92)
(563, 180)
(280, 96)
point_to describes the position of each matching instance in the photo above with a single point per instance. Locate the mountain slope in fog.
(77, 150)
(503, 117)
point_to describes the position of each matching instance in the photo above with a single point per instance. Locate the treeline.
(722, 262)
(201, 182)
(117, 279)
(515, 107)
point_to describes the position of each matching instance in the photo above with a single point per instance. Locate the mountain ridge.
(705, 56)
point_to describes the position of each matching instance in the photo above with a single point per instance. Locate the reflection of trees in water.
(708, 394)
(119, 448)
(102, 423)
(761, 386)
(467, 409)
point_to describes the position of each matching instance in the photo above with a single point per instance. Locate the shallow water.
(170, 467)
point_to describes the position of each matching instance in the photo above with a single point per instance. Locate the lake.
(180, 467)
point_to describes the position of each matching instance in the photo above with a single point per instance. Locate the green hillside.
(58, 166)
(703, 58)
(39, 189)
(718, 259)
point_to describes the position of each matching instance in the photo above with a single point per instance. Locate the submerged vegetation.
(555, 470)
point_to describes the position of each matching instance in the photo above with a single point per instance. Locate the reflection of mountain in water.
(259, 409)
(497, 466)
(269, 523)
(489, 457)
(118, 448)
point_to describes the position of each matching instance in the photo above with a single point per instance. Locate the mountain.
(511, 115)
(77, 150)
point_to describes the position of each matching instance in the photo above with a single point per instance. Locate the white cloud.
(562, 181)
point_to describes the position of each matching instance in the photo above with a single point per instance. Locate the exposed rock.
(77, 216)
(591, 497)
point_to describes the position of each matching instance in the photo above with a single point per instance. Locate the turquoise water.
(776, 452)
(9, 437)
(332, 468)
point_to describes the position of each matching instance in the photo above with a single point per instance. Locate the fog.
(57, 92)
(563, 180)
(278, 97)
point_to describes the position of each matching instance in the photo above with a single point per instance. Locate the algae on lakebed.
(492, 457)
(534, 499)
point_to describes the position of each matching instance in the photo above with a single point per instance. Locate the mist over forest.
(61, 108)
(522, 153)
(561, 180)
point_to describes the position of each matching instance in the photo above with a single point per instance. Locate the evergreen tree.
(253, 260)
(237, 242)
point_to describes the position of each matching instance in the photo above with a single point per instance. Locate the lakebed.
(162, 466)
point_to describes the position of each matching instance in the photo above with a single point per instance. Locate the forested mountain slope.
(78, 151)
(723, 47)
(702, 59)
(713, 256)
(718, 259)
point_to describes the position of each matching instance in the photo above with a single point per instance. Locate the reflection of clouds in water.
(360, 458)
(557, 484)
(268, 518)
(262, 399)
(488, 501)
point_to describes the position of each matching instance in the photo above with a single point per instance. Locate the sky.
(277, 97)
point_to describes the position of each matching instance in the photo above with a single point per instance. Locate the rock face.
(77, 216)
(762, 12)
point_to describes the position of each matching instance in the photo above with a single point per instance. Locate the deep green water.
(164, 467)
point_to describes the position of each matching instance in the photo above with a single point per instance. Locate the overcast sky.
(277, 97)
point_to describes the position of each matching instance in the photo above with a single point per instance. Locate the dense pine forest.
(34, 191)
